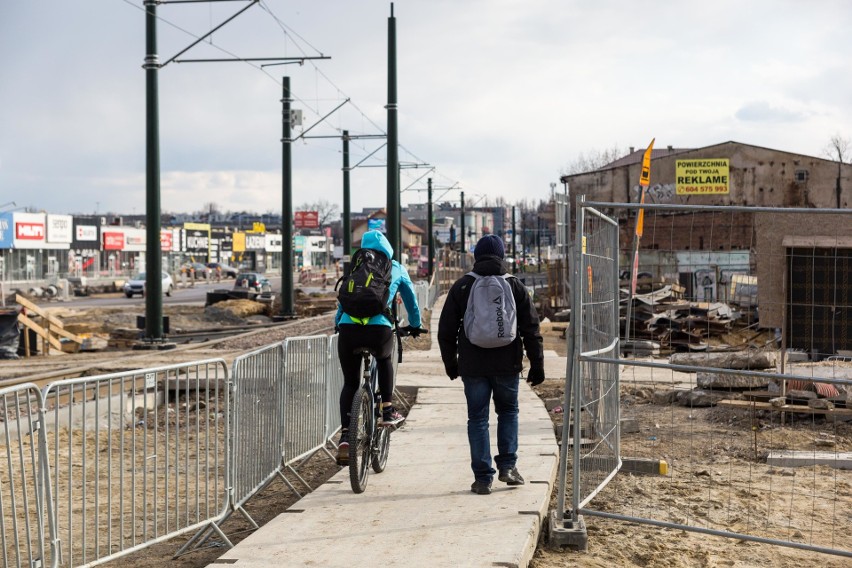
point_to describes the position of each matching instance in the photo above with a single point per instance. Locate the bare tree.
(592, 160)
(838, 148)
(326, 211)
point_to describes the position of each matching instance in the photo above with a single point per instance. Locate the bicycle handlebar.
(412, 331)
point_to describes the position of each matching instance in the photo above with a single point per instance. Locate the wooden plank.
(799, 408)
(66, 334)
(792, 458)
(40, 331)
(38, 311)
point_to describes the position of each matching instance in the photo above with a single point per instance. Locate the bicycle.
(369, 442)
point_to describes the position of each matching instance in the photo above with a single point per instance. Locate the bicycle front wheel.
(361, 426)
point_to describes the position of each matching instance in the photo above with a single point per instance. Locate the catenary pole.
(429, 227)
(347, 212)
(287, 308)
(153, 270)
(514, 236)
(462, 249)
(393, 210)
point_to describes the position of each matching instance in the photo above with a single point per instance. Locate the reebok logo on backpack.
(365, 291)
(491, 317)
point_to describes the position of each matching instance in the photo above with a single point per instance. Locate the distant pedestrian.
(192, 277)
(491, 372)
(218, 273)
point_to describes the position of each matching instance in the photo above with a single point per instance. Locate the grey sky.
(498, 95)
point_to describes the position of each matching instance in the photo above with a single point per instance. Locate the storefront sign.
(113, 240)
(166, 240)
(86, 233)
(306, 219)
(59, 229)
(6, 237)
(29, 231)
(255, 242)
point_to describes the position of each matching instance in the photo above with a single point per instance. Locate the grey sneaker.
(510, 476)
(481, 487)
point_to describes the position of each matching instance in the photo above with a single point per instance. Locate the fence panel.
(739, 380)
(137, 457)
(596, 393)
(257, 420)
(334, 385)
(306, 396)
(26, 515)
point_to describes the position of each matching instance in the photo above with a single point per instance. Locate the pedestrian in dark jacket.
(491, 372)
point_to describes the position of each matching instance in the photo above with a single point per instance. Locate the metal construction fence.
(714, 398)
(98, 467)
(136, 457)
(596, 398)
(27, 536)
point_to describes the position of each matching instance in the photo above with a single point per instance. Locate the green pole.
(393, 212)
(514, 236)
(429, 221)
(153, 270)
(347, 211)
(461, 222)
(287, 309)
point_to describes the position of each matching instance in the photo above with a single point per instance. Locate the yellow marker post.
(644, 182)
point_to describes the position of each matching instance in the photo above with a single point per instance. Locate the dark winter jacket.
(479, 361)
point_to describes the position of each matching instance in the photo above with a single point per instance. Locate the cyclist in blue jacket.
(375, 334)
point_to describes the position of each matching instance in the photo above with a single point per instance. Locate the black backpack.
(365, 291)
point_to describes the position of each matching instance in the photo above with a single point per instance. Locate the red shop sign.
(113, 241)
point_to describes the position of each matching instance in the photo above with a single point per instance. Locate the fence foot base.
(564, 532)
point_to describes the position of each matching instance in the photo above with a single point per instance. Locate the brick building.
(803, 261)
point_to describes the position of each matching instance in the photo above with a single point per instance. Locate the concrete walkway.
(420, 510)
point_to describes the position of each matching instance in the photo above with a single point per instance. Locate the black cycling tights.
(378, 338)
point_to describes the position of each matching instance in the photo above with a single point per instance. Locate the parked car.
(201, 270)
(252, 281)
(227, 271)
(136, 285)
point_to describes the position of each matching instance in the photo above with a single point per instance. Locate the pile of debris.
(663, 321)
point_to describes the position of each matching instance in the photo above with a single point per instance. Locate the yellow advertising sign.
(702, 177)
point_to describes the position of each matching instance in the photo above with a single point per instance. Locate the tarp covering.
(9, 334)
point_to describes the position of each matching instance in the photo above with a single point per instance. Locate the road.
(196, 295)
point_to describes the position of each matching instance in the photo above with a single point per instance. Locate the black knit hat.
(489, 244)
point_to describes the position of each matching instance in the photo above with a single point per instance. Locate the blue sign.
(7, 231)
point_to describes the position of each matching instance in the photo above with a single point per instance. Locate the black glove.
(414, 331)
(452, 370)
(535, 377)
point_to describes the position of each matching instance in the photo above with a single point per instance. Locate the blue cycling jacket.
(400, 282)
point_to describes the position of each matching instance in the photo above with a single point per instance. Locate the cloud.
(762, 111)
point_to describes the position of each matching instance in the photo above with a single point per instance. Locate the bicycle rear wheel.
(360, 439)
(381, 449)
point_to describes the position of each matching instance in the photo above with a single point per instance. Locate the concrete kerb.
(421, 508)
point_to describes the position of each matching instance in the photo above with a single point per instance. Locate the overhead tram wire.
(291, 33)
(288, 30)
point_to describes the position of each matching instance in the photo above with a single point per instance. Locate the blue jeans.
(478, 391)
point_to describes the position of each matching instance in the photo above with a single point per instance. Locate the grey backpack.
(491, 317)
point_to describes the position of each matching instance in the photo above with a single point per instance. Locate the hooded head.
(377, 241)
(489, 244)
